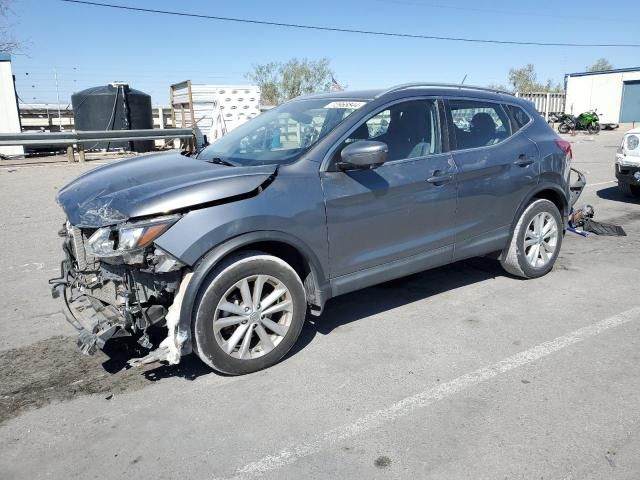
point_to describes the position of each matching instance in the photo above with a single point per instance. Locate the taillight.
(565, 147)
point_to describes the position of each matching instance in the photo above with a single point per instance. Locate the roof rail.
(441, 85)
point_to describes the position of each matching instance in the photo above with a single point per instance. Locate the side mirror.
(363, 154)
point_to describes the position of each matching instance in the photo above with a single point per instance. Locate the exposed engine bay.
(120, 295)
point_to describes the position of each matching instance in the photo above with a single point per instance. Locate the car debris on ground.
(582, 218)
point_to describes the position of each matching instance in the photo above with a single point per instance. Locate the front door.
(400, 210)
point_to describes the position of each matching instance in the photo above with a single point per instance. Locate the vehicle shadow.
(387, 296)
(120, 350)
(339, 311)
(615, 194)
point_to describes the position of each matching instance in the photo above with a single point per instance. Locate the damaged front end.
(115, 282)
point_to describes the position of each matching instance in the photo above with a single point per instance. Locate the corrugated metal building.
(614, 93)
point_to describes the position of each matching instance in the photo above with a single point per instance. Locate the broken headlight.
(128, 237)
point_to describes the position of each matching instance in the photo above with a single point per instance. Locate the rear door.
(401, 209)
(497, 165)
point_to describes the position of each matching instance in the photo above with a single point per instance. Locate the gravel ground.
(460, 372)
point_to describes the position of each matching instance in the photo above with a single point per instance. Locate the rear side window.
(478, 124)
(519, 116)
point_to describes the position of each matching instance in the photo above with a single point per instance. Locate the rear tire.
(563, 128)
(632, 191)
(535, 242)
(250, 313)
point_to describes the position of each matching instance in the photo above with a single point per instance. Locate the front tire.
(249, 315)
(563, 128)
(535, 242)
(593, 128)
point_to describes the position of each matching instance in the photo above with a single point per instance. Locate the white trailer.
(213, 110)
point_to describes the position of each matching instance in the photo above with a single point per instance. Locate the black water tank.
(113, 107)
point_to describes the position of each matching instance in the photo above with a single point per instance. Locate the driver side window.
(410, 130)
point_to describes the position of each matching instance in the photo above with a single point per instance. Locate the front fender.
(291, 203)
(205, 266)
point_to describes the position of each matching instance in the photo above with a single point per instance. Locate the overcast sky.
(90, 46)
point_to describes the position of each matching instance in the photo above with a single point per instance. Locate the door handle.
(438, 178)
(523, 160)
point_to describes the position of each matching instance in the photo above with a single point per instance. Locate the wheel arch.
(281, 245)
(550, 192)
(556, 197)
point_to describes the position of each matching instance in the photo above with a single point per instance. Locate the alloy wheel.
(541, 240)
(253, 317)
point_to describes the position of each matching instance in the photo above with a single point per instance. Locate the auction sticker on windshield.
(345, 104)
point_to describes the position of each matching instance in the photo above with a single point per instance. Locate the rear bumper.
(578, 182)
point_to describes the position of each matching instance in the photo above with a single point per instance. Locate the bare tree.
(280, 82)
(600, 65)
(7, 42)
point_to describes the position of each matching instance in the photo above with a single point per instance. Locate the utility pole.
(55, 76)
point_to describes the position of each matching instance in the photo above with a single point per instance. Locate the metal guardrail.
(82, 137)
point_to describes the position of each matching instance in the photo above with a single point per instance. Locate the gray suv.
(231, 247)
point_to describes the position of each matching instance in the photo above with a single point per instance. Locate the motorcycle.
(588, 121)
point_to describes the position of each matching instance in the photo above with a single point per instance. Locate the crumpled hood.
(152, 185)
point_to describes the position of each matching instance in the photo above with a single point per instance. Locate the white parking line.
(423, 399)
(600, 183)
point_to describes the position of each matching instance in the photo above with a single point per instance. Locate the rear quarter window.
(519, 117)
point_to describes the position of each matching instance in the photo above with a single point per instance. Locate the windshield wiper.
(219, 161)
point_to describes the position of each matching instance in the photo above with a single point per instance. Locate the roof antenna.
(462, 82)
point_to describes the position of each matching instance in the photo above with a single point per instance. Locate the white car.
(628, 164)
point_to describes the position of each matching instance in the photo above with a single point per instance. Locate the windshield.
(280, 135)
